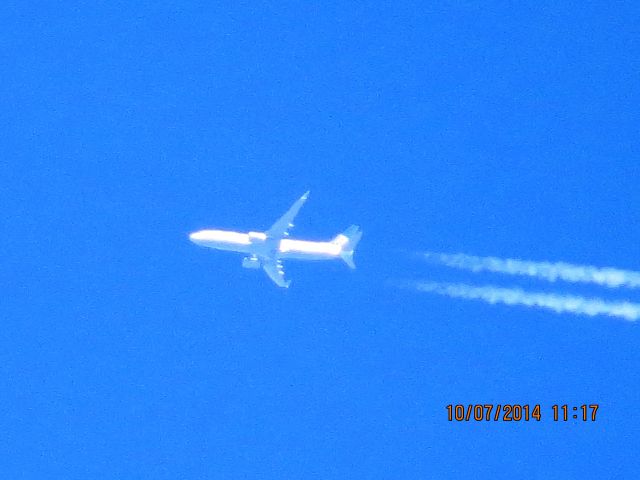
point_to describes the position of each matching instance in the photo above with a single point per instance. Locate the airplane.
(268, 249)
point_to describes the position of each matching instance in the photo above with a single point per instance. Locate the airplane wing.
(284, 223)
(274, 270)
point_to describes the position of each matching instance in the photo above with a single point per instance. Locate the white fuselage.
(257, 243)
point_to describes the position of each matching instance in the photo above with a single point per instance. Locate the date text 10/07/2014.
(487, 412)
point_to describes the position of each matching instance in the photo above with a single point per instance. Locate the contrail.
(516, 296)
(608, 277)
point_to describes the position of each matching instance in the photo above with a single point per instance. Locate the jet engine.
(251, 262)
(257, 237)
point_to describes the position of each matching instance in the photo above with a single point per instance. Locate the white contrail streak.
(608, 277)
(516, 296)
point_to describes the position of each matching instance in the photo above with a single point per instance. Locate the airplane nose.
(193, 236)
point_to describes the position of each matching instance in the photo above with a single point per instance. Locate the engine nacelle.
(257, 237)
(251, 262)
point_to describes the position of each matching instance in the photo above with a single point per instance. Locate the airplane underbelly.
(232, 247)
(304, 250)
(292, 255)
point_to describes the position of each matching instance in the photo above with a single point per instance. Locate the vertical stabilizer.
(348, 241)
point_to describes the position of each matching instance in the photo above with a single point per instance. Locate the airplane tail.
(348, 241)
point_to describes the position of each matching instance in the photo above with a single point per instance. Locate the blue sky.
(490, 129)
